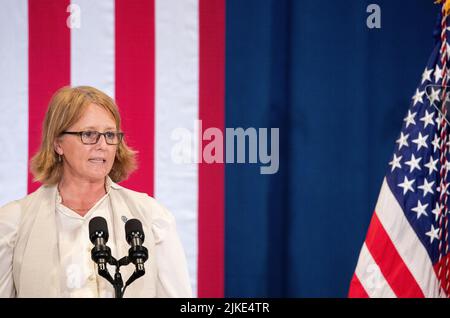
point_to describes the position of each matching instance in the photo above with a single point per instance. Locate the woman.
(44, 238)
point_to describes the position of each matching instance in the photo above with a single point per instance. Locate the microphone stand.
(117, 281)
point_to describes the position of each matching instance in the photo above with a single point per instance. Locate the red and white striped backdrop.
(163, 62)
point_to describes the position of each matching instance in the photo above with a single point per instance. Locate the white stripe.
(408, 245)
(176, 106)
(92, 45)
(13, 99)
(370, 276)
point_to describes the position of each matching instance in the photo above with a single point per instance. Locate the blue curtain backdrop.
(338, 91)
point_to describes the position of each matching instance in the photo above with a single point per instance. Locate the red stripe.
(443, 276)
(390, 262)
(135, 84)
(48, 63)
(211, 176)
(356, 289)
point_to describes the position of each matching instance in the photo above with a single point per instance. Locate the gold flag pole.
(446, 4)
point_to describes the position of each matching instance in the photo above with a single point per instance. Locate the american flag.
(406, 247)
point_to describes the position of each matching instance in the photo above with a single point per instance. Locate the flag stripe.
(442, 265)
(392, 218)
(92, 45)
(370, 277)
(211, 176)
(391, 264)
(356, 289)
(13, 99)
(114, 49)
(135, 84)
(176, 112)
(49, 63)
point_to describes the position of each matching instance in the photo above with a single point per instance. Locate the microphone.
(101, 253)
(98, 234)
(135, 236)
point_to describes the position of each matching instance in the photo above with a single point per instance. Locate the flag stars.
(438, 73)
(427, 187)
(427, 119)
(438, 121)
(420, 209)
(434, 96)
(406, 185)
(433, 234)
(426, 76)
(402, 141)
(395, 163)
(413, 163)
(410, 119)
(421, 141)
(436, 211)
(436, 142)
(431, 165)
(418, 97)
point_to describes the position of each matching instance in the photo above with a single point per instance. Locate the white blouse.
(80, 277)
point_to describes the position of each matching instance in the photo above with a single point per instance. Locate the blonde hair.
(66, 107)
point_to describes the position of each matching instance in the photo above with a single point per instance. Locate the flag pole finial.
(446, 4)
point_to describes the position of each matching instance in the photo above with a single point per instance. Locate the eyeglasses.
(90, 137)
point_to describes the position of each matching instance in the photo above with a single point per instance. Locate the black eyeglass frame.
(99, 134)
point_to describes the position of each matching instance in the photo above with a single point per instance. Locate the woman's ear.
(57, 147)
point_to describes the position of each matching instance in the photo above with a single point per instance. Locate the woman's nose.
(101, 142)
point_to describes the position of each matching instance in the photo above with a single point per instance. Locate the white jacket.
(29, 261)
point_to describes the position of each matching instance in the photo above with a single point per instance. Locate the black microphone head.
(98, 229)
(133, 228)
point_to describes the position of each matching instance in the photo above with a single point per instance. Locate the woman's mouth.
(97, 160)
